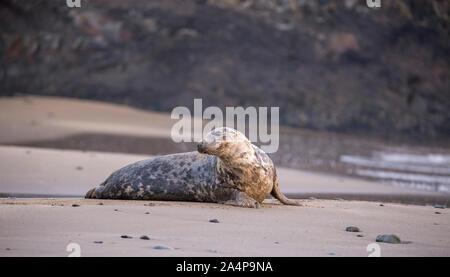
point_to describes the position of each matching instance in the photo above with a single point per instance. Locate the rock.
(7, 248)
(101, 204)
(162, 247)
(437, 212)
(147, 213)
(352, 229)
(75, 205)
(186, 32)
(126, 237)
(98, 241)
(381, 205)
(390, 238)
(359, 236)
(214, 220)
(144, 237)
(116, 210)
(439, 206)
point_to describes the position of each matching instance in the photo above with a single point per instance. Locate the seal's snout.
(200, 147)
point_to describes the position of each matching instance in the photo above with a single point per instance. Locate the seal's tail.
(278, 195)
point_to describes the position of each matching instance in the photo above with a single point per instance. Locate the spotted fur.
(226, 169)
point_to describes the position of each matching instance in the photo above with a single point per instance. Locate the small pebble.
(98, 241)
(359, 236)
(162, 247)
(116, 210)
(437, 212)
(126, 237)
(79, 168)
(101, 204)
(147, 213)
(212, 250)
(381, 205)
(144, 237)
(352, 229)
(214, 220)
(439, 206)
(75, 205)
(7, 248)
(331, 253)
(276, 242)
(390, 238)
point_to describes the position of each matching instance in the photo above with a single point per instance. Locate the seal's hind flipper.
(278, 195)
(90, 194)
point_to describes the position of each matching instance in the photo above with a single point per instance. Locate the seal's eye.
(209, 139)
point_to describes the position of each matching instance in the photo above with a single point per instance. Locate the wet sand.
(34, 172)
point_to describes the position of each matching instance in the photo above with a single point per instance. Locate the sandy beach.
(39, 186)
(42, 227)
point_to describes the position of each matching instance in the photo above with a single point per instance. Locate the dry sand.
(31, 118)
(35, 227)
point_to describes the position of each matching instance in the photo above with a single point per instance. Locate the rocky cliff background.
(329, 65)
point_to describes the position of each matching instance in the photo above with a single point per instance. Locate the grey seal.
(227, 169)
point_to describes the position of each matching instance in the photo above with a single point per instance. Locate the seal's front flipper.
(241, 199)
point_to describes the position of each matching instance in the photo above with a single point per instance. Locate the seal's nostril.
(199, 147)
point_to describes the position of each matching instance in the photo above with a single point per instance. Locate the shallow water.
(420, 167)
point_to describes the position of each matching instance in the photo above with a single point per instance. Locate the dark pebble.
(214, 220)
(147, 213)
(126, 237)
(390, 238)
(7, 249)
(162, 247)
(79, 168)
(98, 241)
(437, 212)
(116, 210)
(352, 229)
(75, 205)
(381, 205)
(144, 237)
(101, 204)
(359, 236)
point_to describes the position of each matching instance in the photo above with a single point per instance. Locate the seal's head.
(225, 143)
(241, 165)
